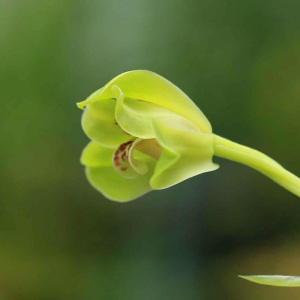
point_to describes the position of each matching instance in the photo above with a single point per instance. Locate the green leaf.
(274, 280)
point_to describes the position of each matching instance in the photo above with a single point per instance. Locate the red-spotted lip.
(129, 167)
(125, 164)
(121, 155)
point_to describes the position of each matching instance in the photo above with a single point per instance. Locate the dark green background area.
(59, 238)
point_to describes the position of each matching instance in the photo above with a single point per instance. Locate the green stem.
(258, 161)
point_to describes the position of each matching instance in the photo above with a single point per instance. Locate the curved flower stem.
(258, 161)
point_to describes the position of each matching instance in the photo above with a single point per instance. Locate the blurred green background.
(59, 238)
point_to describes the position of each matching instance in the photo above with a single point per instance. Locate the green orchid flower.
(146, 134)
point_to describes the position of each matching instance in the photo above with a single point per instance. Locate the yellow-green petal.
(151, 87)
(101, 174)
(99, 124)
(186, 151)
(95, 155)
(275, 280)
(118, 188)
(135, 116)
(97, 95)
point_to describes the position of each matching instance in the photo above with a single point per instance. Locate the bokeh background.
(59, 238)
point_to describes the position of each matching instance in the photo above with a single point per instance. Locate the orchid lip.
(126, 164)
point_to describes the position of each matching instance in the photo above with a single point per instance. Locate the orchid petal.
(95, 155)
(97, 95)
(102, 175)
(150, 87)
(135, 116)
(186, 151)
(99, 124)
(115, 187)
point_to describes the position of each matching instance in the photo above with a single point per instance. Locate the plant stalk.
(258, 161)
